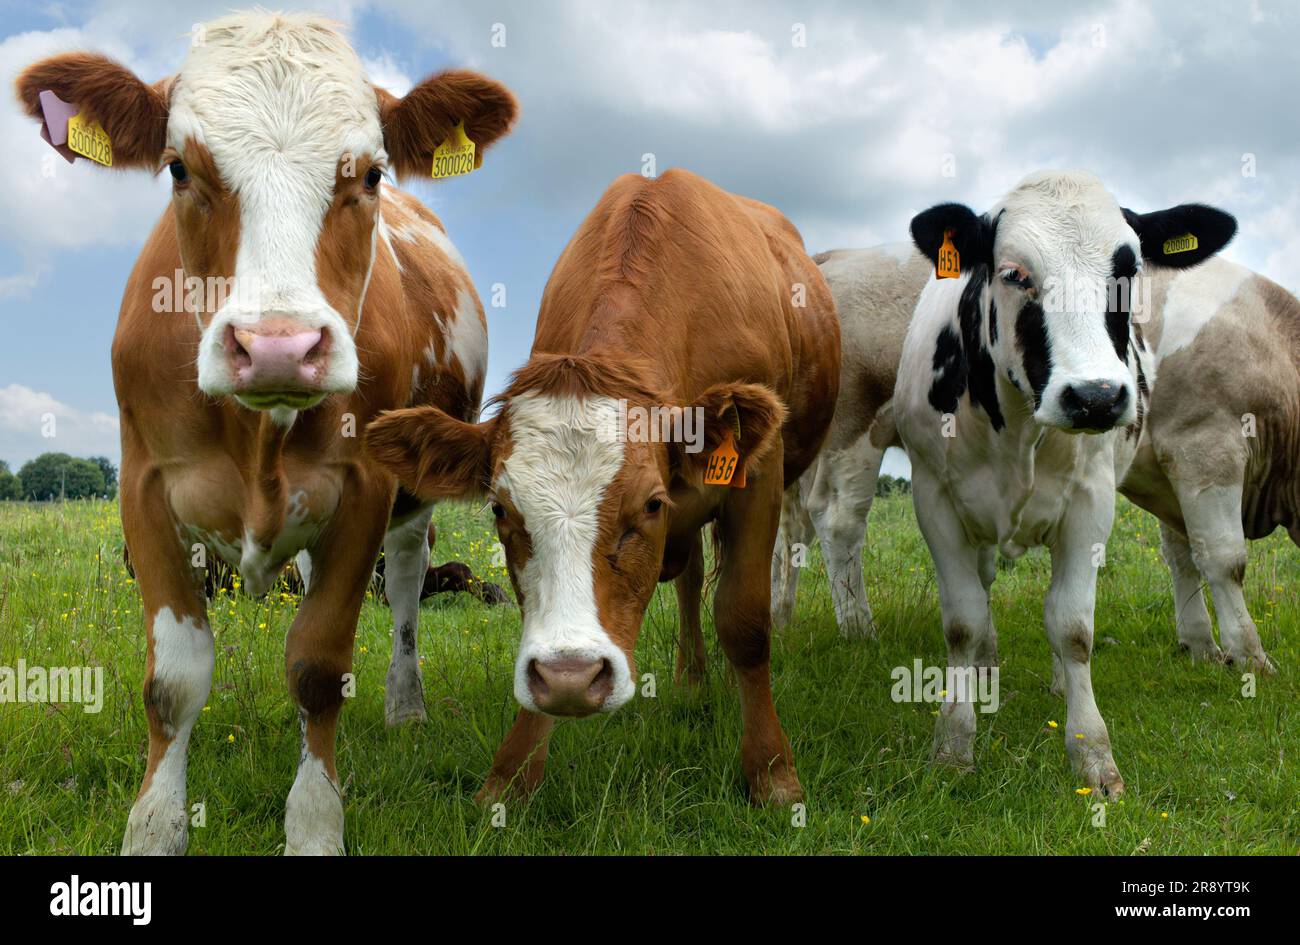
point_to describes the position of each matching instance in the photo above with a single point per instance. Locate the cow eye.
(653, 506)
(1017, 277)
(373, 177)
(179, 174)
(498, 511)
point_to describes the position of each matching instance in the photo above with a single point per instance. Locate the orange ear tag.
(722, 465)
(948, 265)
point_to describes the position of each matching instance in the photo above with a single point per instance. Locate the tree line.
(59, 476)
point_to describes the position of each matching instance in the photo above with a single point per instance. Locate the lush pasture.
(1207, 769)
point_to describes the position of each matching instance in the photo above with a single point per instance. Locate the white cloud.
(34, 422)
(387, 74)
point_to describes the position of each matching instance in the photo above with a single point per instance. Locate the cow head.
(1052, 271)
(276, 145)
(582, 512)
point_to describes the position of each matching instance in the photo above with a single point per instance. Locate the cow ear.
(751, 409)
(1182, 236)
(416, 123)
(133, 113)
(972, 235)
(433, 455)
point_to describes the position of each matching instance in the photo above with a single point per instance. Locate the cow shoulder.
(445, 325)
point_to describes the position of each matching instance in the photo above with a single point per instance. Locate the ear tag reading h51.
(948, 265)
(455, 156)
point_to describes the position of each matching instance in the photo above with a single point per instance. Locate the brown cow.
(336, 299)
(673, 293)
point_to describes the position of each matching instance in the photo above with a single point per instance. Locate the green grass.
(662, 775)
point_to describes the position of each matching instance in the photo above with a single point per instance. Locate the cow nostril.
(318, 351)
(234, 346)
(536, 683)
(602, 684)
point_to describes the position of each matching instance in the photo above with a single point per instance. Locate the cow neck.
(266, 484)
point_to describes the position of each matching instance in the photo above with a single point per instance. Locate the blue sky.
(848, 134)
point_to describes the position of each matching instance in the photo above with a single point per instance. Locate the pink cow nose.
(274, 355)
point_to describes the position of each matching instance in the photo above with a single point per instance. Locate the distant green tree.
(110, 474)
(52, 475)
(11, 487)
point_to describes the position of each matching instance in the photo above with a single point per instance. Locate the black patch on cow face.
(1031, 337)
(1119, 298)
(964, 362)
(993, 322)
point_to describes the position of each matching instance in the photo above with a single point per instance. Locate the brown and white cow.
(672, 293)
(241, 422)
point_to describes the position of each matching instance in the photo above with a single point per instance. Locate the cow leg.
(986, 648)
(691, 655)
(520, 763)
(795, 530)
(1195, 632)
(743, 617)
(1218, 544)
(318, 657)
(964, 605)
(406, 560)
(839, 503)
(178, 667)
(1068, 616)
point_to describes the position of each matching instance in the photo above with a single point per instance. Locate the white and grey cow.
(1001, 370)
(1218, 461)
(1219, 458)
(875, 292)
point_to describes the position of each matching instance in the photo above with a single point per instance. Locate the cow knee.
(317, 685)
(181, 679)
(744, 630)
(1075, 642)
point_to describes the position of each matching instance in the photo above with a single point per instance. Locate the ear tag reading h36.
(724, 464)
(948, 265)
(455, 156)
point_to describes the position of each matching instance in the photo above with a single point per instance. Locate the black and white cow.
(1001, 369)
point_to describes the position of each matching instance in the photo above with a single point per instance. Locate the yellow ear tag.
(949, 263)
(89, 139)
(455, 156)
(1181, 244)
(722, 464)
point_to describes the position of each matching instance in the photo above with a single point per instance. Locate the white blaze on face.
(565, 455)
(278, 100)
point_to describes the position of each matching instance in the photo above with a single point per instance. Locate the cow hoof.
(1104, 779)
(403, 698)
(498, 790)
(323, 846)
(953, 758)
(778, 787)
(860, 627)
(1202, 650)
(156, 827)
(1257, 662)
